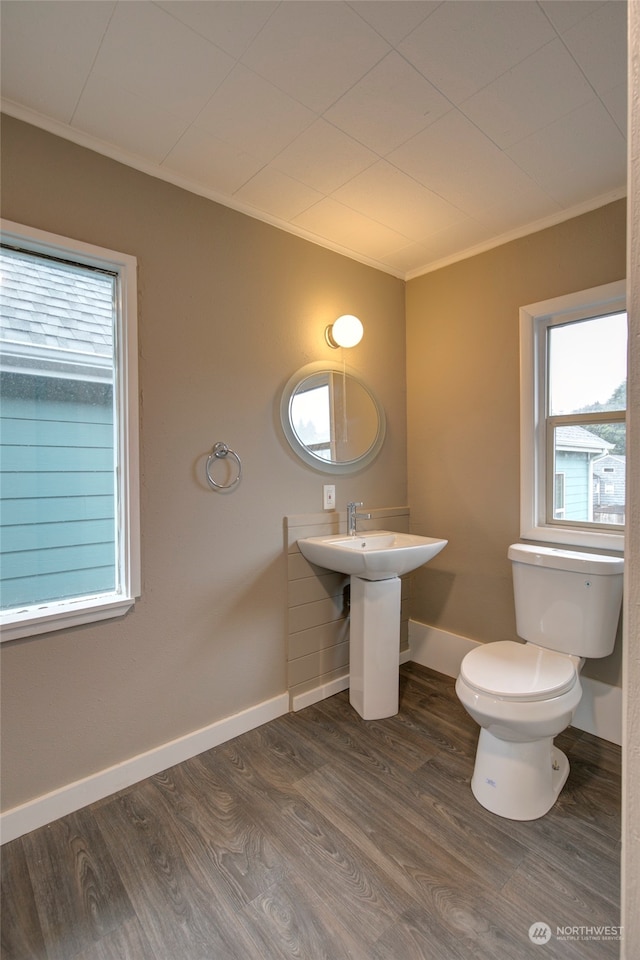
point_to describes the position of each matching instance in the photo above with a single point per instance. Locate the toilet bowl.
(523, 695)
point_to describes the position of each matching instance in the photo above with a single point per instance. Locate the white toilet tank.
(567, 601)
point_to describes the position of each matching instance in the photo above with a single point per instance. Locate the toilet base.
(518, 780)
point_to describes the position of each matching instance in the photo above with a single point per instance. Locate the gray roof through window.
(54, 316)
(577, 438)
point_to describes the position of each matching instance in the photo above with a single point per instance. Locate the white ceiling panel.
(389, 105)
(315, 50)
(251, 114)
(615, 100)
(403, 134)
(278, 194)
(39, 34)
(565, 14)
(554, 157)
(346, 227)
(116, 115)
(324, 157)
(541, 89)
(595, 44)
(457, 161)
(467, 235)
(403, 260)
(229, 25)
(464, 44)
(155, 57)
(391, 197)
(394, 21)
(210, 163)
(516, 207)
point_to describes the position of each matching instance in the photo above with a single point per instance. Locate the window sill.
(575, 538)
(17, 625)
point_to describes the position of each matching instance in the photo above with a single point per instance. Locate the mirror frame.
(306, 455)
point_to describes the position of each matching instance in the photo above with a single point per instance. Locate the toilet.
(524, 694)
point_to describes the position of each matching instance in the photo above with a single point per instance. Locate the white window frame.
(62, 614)
(535, 319)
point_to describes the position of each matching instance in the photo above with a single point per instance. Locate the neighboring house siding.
(609, 489)
(611, 473)
(57, 522)
(575, 467)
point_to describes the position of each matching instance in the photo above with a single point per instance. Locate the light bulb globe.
(347, 331)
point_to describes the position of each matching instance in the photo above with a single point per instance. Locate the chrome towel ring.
(219, 452)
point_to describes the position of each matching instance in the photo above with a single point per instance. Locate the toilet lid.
(518, 671)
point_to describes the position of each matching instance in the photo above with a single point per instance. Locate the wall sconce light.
(345, 332)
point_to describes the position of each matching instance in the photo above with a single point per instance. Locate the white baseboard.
(49, 807)
(438, 649)
(324, 690)
(599, 712)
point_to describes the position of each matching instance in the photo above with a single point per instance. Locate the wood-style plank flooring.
(320, 836)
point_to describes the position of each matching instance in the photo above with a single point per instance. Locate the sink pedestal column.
(374, 647)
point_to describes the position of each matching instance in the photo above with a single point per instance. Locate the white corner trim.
(321, 692)
(599, 711)
(73, 796)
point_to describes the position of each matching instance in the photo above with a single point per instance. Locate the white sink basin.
(374, 555)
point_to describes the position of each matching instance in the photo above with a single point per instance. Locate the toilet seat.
(518, 671)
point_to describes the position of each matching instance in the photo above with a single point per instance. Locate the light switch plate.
(329, 496)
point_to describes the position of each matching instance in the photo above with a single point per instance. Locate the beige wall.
(463, 413)
(229, 309)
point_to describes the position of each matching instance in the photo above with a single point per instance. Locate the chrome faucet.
(353, 516)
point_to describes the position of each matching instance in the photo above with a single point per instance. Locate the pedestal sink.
(375, 561)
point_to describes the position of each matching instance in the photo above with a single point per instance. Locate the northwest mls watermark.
(540, 932)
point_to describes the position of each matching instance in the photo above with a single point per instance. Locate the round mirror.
(331, 418)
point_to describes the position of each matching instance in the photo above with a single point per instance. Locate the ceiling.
(403, 133)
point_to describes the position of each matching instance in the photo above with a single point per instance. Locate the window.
(573, 409)
(69, 522)
(312, 415)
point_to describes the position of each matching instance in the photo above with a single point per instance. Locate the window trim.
(62, 614)
(534, 321)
